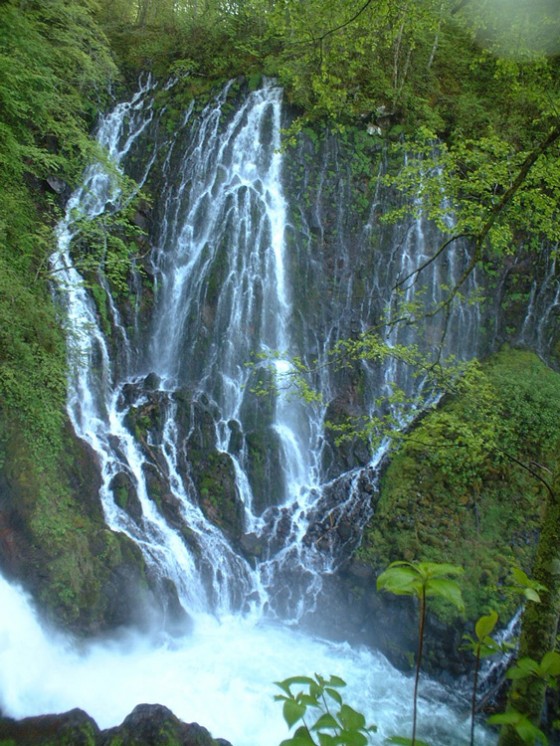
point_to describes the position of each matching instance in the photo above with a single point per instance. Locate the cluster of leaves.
(414, 62)
(336, 724)
(462, 185)
(421, 580)
(455, 483)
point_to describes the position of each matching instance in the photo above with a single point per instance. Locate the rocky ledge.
(147, 725)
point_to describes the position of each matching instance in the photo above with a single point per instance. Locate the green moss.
(449, 496)
(51, 508)
(215, 479)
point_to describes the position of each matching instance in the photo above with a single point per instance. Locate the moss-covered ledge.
(54, 540)
(444, 498)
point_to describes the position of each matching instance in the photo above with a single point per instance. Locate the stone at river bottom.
(147, 725)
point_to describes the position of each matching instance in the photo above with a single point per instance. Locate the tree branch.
(346, 23)
(480, 237)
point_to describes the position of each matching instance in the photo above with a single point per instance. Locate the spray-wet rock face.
(262, 258)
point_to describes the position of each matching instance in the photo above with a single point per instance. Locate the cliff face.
(340, 264)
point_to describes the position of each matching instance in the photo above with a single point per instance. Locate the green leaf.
(307, 700)
(438, 569)
(351, 738)
(446, 589)
(334, 695)
(326, 721)
(524, 668)
(300, 739)
(531, 595)
(485, 625)
(550, 663)
(401, 581)
(315, 690)
(524, 727)
(350, 719)
(520, 577)
(287, 683)
(325, 739)
(293, 711)
(530, 733)
(505, 718)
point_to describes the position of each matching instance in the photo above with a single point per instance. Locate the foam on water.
(222, 676)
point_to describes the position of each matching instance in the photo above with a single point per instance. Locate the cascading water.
(239, 271)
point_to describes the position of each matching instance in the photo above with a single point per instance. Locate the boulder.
(147, 725)
(73, 728)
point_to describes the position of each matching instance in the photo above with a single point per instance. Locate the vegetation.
(455, 478)
(422, 580)
(337, 723)
(50, 55)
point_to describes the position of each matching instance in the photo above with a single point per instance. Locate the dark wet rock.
(58, 186)
(125, 495)
(73, 728)
(147, 725)
(251, 544)
(156, 724)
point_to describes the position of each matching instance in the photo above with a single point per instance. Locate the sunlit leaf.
(485, 625)
(351, 738)
(524, 668)
(446, 589)
(531, 595)
(334, 694)
(550, 663)
(287, 683)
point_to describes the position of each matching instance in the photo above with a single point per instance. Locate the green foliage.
(483, 645)
(525, 585)
(108, 243)
(528, 732)
(54, 69)
(468, 179)
(55, 66)
(333, 722)
(422, 579)
(452, 487)
(548, 669)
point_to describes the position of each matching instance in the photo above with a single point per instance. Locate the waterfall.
(240, 501)
(226, 261)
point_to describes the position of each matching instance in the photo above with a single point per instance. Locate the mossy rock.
(442, 501)
(264, 468)
(54, 540)
(214, 479)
